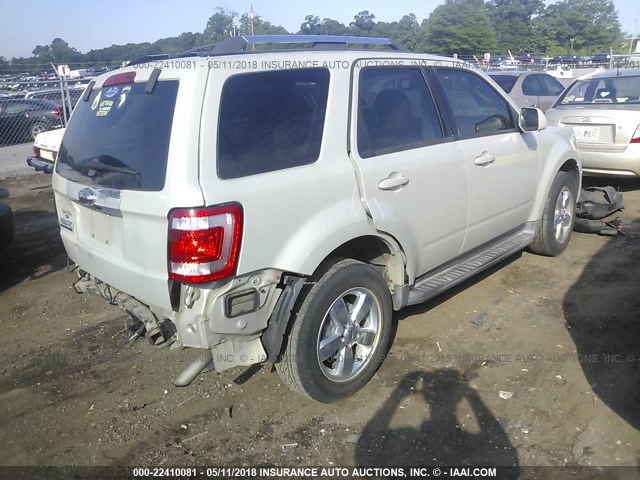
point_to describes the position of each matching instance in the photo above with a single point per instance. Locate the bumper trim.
(40, 165)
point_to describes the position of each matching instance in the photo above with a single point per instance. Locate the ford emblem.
(87, 196)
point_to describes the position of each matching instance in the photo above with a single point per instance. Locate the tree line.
(465, 27)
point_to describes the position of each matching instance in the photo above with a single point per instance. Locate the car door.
(15, 120)
(412, 175)
(533, 89)
(502, 163)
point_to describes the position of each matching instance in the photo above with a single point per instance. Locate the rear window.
(271, 121)
(603, 90)
(506, 82)
(119, 138)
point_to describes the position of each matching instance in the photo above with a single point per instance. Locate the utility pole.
(633, 34)
(251, 18)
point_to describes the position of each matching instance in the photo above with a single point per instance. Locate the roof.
(615, 72)
(512, 73)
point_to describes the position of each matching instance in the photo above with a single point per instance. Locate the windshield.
(506, 82)
(603, 90)
(119, 138)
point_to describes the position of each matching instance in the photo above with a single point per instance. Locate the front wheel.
(339, 334)
(554, 231)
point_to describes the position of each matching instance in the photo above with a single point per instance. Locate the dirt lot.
(535, 363)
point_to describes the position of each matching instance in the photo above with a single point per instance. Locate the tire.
(329, 355)
(554, 231)
(36, 129)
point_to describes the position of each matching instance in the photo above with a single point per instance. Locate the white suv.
(280, 205)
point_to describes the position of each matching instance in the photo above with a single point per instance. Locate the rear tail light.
(636, 136)
(204, 243)
(36, 151)
(57, 112)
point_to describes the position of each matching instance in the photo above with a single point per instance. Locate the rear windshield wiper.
(104, 163)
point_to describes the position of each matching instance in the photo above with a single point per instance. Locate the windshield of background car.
(119, 138)
(608, 90)
(506, 82)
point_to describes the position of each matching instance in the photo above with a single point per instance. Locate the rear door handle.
(485, 159)
(395, 181)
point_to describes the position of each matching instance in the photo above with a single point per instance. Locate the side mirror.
(532, 119)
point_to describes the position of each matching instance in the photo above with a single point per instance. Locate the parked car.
(603, 110)
(268, 213)
(22, 119)
(45, 149)
(529, 89)
(55, 95)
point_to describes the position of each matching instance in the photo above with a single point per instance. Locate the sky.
(87, 25)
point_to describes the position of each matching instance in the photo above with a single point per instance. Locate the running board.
(450, 275)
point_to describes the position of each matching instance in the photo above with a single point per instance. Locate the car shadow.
(602, 311)
(36, 250)
(444, 435)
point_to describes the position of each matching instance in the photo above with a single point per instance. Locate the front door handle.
(485, 159)
(395, 181)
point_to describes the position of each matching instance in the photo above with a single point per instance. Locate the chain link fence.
(31, 106)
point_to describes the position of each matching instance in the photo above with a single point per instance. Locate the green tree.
(513, 22)
(260, 26)
(58, 52)
(363, 24)
(592, 24)
(407, 32)
(460, 26)
(220, 25)
(311, 26)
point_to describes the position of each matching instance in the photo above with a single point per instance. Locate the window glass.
(477, 108)
(603, 90)
(506, 82)
(271, 121)
(119, 138)
(554, 87)
(13, 108)
(395, 111)
(532, 85)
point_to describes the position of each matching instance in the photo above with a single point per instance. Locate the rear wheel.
(36, 129)
(340, 333)
(554, 231)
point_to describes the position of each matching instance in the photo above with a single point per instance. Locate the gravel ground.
(534, 363)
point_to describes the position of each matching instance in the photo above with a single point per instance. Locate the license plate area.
(587, 134)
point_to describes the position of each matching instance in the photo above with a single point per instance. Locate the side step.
(451, 274)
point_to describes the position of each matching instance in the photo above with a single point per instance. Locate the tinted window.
(13, 108)
(477, 108)
(396, 111)
(532, 85)
(506, 82)
(271, 120)
(554, 87)
(124, 128)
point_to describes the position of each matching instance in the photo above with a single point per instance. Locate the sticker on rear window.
(111, 92)
(96, 100)
(123, 96)
(105, 108)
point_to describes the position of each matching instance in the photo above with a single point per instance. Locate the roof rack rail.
(240, 43)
